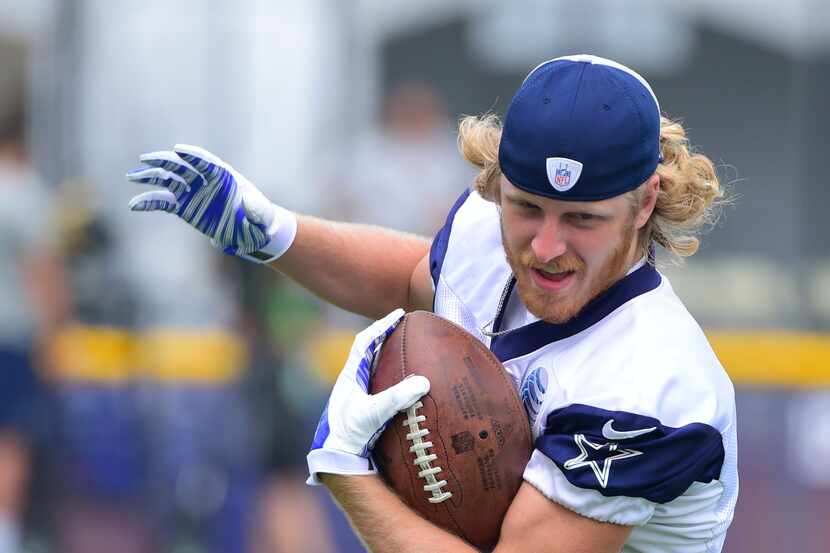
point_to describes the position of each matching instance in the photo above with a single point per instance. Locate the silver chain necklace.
(505, 297)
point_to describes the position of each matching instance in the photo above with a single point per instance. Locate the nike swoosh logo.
(609, 433)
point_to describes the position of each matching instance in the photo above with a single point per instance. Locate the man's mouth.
(552, 281)
(554, 276)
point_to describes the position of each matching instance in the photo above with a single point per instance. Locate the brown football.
(457, 456)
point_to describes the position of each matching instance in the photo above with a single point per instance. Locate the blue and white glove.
(216, 200)
(353, 419)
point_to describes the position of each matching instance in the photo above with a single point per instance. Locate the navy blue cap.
(581, 128)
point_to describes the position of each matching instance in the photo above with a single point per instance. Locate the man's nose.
(549, 242)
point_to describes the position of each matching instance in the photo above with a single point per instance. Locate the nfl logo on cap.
(563, 173)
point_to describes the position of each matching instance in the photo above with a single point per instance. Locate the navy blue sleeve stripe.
(439, 244)
(623, 454)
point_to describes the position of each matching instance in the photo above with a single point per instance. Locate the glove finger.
(253, 236)
(199, 158)
(229, 250)
(173, 163)
(367, 343)
(155, 200)
(380, 328)
(157, 176)
(227, 227)
(400, 397)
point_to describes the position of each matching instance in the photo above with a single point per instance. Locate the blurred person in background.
(411, 157)
(33, 305)
(98, 492)
(189, 366)
(155, 450)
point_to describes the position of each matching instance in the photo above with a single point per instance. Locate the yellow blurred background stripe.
(776, 359)
(780, 359)
(196, 356)
(106, 355)
(92, 354)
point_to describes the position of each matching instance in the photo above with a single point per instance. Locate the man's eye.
(527, 205)
(583, 217)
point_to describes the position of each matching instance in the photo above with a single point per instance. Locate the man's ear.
(649, 201)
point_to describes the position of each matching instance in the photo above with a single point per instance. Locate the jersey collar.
(529, 338)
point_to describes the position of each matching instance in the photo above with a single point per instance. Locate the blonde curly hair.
(689, 198)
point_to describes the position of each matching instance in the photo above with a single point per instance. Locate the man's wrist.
(329, 479)
(338, 462)
(282, 232)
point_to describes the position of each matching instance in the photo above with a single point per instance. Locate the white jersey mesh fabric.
(449, 306)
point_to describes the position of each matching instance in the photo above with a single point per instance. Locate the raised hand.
(215, 199)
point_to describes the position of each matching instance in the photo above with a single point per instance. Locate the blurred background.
(157, 396)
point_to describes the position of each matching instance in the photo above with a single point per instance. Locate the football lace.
(423, 457)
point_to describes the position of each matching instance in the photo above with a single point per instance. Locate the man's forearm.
(384, 523)
(360, 268)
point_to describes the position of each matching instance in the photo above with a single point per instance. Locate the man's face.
(564, 254)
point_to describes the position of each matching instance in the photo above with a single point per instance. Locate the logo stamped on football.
(462, 442)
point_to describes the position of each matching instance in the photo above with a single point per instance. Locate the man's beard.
(561, 309)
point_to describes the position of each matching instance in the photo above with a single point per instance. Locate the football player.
(549, 260)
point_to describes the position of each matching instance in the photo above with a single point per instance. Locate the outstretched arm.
(365, 269)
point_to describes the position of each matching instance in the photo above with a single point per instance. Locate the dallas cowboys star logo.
(596, 454)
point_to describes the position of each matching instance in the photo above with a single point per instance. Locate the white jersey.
(633, 416)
